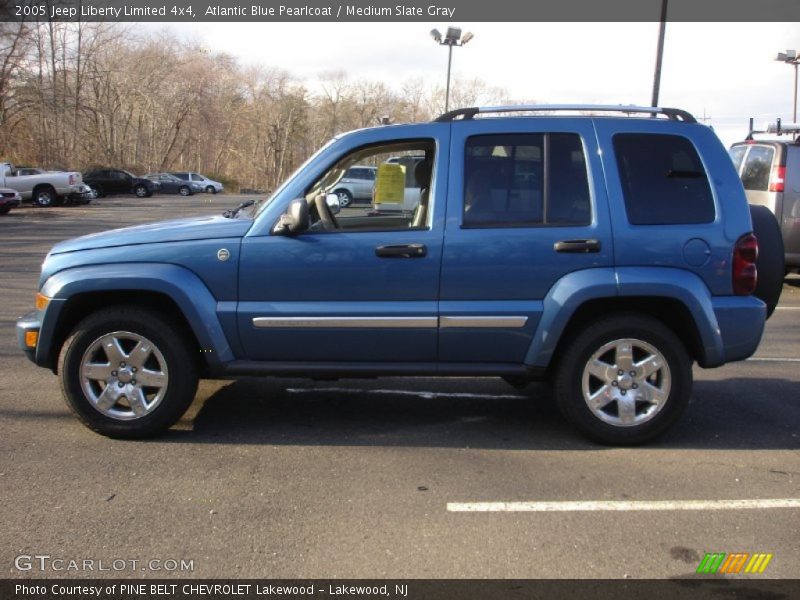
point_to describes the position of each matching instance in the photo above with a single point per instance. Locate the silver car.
(201, 182)
(770, 173)
(356, 185)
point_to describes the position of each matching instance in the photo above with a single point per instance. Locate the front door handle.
(402, 251)
(577, 246)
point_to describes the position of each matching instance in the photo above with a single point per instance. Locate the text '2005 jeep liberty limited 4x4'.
(608, 253)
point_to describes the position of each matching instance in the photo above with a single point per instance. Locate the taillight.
(777, 179)
(72, 178)
(745, 274)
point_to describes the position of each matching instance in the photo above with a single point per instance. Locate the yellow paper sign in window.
(390, 185)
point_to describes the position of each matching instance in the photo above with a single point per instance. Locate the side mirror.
(294, 220)
(332, 200)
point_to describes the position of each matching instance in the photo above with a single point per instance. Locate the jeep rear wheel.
(127, 372)
(624, 379)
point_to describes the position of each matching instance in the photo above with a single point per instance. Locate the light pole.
(452, 38)
(659, 54)
(790, 57)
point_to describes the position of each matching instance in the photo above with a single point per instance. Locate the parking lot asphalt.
(352, 478)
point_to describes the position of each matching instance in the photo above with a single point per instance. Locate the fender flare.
(181, 285)
(570, 292)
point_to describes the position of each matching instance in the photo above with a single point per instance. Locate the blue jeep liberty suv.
(606, 252)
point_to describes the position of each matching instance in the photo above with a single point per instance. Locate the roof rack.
(776, 128)
(673, 114)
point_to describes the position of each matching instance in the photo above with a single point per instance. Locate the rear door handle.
(577, 246)
(402, 251)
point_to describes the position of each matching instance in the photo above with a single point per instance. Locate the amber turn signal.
(31, 337)
(42, 301)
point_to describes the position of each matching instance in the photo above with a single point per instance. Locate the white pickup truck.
(44, 188)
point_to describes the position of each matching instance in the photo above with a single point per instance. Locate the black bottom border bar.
(701, 587)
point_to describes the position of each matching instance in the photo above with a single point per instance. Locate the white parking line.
(421, 394)
(765, 359)
(787, 308)
(621, 505)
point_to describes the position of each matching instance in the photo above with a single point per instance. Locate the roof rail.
(673, 114)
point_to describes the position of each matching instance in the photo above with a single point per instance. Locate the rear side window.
(663, 180)
(514, 180)
(757, 167)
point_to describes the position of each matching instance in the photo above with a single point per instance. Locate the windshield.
(260, 205)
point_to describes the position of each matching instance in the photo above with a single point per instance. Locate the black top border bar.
(782, 11)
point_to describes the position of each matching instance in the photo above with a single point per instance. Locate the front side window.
(663, 180)
(399, 198)
(757, 167)
(513, 180)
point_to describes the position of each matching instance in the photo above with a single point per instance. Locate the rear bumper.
(740, 320)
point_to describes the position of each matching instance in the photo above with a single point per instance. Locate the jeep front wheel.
(127, 372)
(624, 380)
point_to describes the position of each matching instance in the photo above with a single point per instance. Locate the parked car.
(770, 173)
(106, 182)
(172, 185)
(8, 199)
(356, 185)
(605, 253)
(208, 185)
(43, 188)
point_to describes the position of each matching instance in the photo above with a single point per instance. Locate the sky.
(721, 72)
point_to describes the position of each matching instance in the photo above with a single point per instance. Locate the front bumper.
(28, 324)
(10, 201)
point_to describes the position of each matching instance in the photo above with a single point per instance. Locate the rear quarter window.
(663, 180)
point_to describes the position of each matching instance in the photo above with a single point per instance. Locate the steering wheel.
(325, 215)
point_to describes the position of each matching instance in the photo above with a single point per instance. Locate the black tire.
(771, 262)
(97, 190)
(345, 198)
(172, 346)
(4, 210)
(185, 190)
(210, 189)
(44, 196)
(579, 350)
(141, 191)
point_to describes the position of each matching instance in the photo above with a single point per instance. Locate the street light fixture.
(452, 38)
(790, 57)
